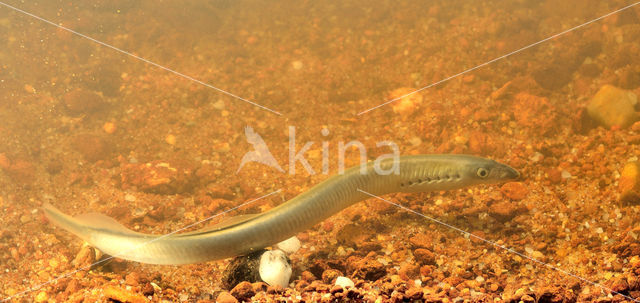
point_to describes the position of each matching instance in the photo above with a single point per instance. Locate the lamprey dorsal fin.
(226, 222)
(98, 221)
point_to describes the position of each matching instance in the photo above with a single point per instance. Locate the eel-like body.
(419, 173)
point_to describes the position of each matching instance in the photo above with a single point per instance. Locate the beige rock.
(629, 184)
(612, 106)
(406, 100)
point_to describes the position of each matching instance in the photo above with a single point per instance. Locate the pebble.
(92, 148)
(405, 105)
(275, 268)
(424, 256)
(554, 175)
(82, 101)
(612, 106)
(226, 297)
(503, 211)
(42, 297)
(170, 139)
(629, 183)
(290, 245)
(329, 275)
(109, 128)
(421, 240)
(243, 291)
(514, 190)
(297, 65)
(344, 282)
(122, 295)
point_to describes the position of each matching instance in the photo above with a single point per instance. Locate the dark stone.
(241, 269)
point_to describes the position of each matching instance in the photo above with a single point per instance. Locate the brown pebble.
(414, 294)
(226, 297)
(330, 275)
(93, 148)
(122, 295)
(503, 210)
(424, 256)
(243, 291)
(259, 286)
(554, 175)
(629, 183)
(19, 170)
(336, 289)
(147, 289)
(85, 257)
(132, 279)
(275, 289)
(366, 268)
(514, 190)
(83, 101)
(421, 241)
(307, 276)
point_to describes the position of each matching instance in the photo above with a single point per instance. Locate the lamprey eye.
(482, 172)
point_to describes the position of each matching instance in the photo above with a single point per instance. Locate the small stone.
(406, 100)
(366, 269)
(514, 190)
(629, 183)
(226, 297)
(527, 299)
(170, 139)
(414, 294)
(329, 275)
(424, 256)
(421, 240)
(109, 127)
(275, 268)
(93, 148)
(242, 269)
(297, 65)
(554, 175)
(122, 295)
(85, 257)
(344, 282)
(290, 245)
(83, 101)
(612, 106)
(42, 297)
(132, 279)
(503, 211)
(243, 291)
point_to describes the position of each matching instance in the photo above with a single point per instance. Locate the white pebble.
(565, 174)
(129, 198)
(297, 65)
(415, 141)
(290, 245)
(274, 268)
(344, 282)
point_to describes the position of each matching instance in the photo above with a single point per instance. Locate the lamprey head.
(444, 172)
(486, 171)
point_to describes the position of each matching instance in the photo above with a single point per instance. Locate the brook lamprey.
(419, 173)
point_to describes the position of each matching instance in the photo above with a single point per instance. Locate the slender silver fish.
(420, 173)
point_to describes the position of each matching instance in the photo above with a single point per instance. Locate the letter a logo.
(260, 153)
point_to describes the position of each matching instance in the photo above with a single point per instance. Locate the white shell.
(274, 268)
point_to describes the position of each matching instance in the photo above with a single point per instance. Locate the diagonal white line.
(140, 58)
(134, 248)
(501, 57)
(499, 246)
